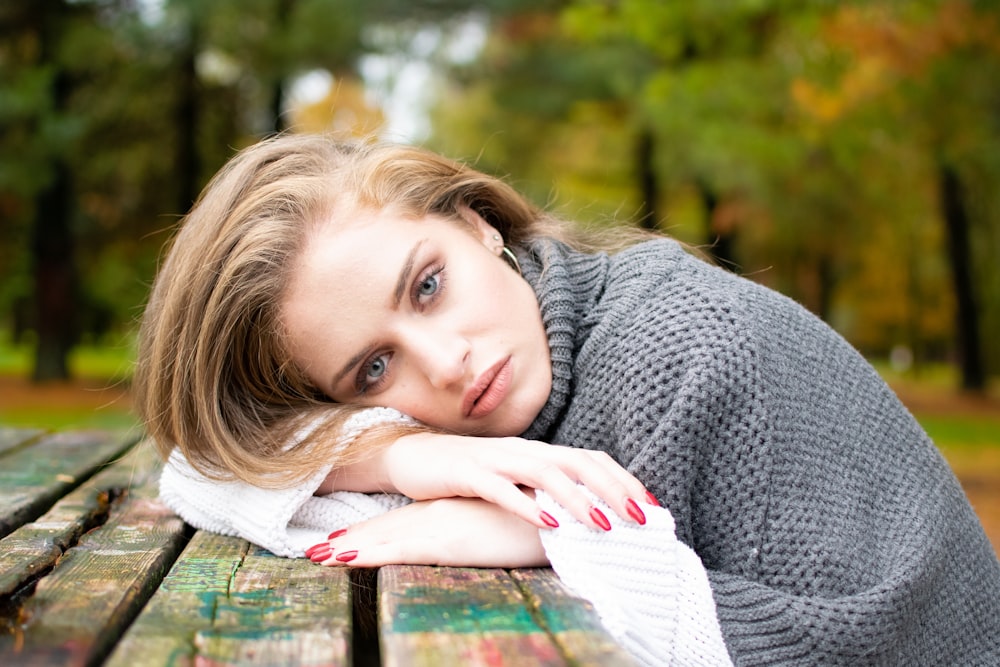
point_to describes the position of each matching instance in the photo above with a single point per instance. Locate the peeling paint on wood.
(225, 603)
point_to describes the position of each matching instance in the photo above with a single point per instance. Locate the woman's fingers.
(517, 500)
(495, 469)
(452, 531)
(561, 470)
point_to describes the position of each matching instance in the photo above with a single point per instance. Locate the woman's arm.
(288, 520)
(457, 532)
(426, 466)
(650, 590)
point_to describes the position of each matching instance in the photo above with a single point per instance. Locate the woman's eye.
(428, 286)
(372, 373)
(376, 368)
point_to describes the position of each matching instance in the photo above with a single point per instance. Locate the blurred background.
(845, 153)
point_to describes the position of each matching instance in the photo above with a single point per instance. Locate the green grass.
(962, 431)
(64, 419)
(88, 360)
(102, 365)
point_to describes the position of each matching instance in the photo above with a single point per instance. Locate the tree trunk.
(186, 114)
(281, 19)
(52, 241)
(55, 278)
(721, 243)
(956, 220)
(646, 172)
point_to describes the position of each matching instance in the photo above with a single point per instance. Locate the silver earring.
(508, 255)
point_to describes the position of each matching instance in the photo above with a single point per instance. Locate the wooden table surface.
(94, 570)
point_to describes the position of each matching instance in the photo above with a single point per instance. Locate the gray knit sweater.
(832, 530)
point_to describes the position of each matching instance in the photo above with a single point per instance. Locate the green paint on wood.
(205, 576)
(224, 602)
(458, 618)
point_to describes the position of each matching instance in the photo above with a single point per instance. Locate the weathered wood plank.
(572, 621)
(34, 548)
(185, 603)
(226, 603)
(282, 611)
(33, 478)
(11, 438)
(77, 612)
(458, 616)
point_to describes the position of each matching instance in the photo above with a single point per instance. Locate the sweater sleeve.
(285, 521)
(649, 589)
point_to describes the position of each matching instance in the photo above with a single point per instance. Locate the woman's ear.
(482, 230)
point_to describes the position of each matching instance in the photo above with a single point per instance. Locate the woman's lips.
(489, 390)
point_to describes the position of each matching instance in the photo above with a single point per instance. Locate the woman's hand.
(424, 466)
(461, 532)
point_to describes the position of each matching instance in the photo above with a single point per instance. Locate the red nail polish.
(321, 555)
(633, 511)
(652, 499)
(347, 556)
(599, 518)
(316, 547)
(336, 533)
(549, 520)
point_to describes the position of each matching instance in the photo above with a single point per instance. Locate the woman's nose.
(444, 357)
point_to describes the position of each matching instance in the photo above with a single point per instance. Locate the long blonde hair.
(214, 377)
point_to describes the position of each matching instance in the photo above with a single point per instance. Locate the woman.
(316, 284)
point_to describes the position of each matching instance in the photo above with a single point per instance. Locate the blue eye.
(372, 373)
(376, 368)
(428, 286)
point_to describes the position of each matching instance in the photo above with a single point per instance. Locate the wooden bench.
(95, 570)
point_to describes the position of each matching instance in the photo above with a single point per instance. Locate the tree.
(42, 86)
(931, 68)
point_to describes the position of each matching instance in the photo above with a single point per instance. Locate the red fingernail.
(336, 533)
(599, 518)
(549, 520)
(321, 555)
(347, 556)
(633, 511)
(316, 547)
(652, 499)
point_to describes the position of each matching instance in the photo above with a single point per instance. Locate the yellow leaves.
(822, 105)
(344, 110)
(910, 45)
(867, 79)
(884, 45)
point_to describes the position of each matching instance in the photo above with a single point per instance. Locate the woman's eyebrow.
(351, 363)
(404, 275)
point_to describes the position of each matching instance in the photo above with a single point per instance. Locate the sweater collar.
(568, 285)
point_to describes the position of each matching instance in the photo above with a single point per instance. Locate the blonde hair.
(214, 377)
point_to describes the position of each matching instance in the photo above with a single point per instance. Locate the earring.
(508, 255)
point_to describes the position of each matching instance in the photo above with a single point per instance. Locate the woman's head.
(225, 368)
(421, 315)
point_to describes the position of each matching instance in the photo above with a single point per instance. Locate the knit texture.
(285, 521)
(651, 591)
(832, 530)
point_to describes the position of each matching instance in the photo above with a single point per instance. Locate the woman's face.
(422, 316)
